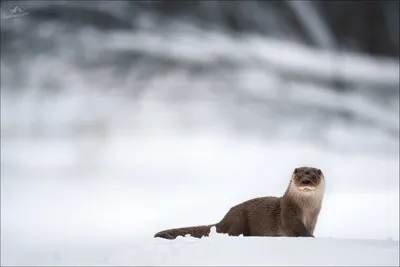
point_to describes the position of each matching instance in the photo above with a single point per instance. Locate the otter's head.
(307, 179)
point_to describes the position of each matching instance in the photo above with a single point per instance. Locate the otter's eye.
(314, 177)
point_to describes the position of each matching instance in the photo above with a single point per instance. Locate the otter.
(295, 214)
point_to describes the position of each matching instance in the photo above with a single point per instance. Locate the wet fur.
(295, 214)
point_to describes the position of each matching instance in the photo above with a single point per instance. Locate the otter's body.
(294, 214)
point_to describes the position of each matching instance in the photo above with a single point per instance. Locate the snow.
(256, 251)
(110, 216)
(209, 251)
(255, 50)
(99, 197)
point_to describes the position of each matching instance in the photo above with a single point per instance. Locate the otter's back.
(263, 216)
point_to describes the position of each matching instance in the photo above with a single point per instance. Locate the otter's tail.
(195, 231)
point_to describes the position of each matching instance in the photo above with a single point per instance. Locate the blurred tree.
(363, 25)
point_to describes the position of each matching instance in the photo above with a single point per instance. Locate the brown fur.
(294, 214)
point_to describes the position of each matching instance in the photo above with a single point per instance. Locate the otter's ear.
(296, 171)
(319, 172)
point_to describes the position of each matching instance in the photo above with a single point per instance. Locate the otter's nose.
(305, 182)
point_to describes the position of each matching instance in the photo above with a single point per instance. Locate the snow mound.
(264, 251)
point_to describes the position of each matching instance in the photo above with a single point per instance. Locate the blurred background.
(128, 117)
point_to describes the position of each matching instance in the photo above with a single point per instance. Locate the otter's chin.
(307, 189)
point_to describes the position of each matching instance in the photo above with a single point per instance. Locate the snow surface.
(99, 199)
(219, 250)
(269, 252)
(107, 218)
